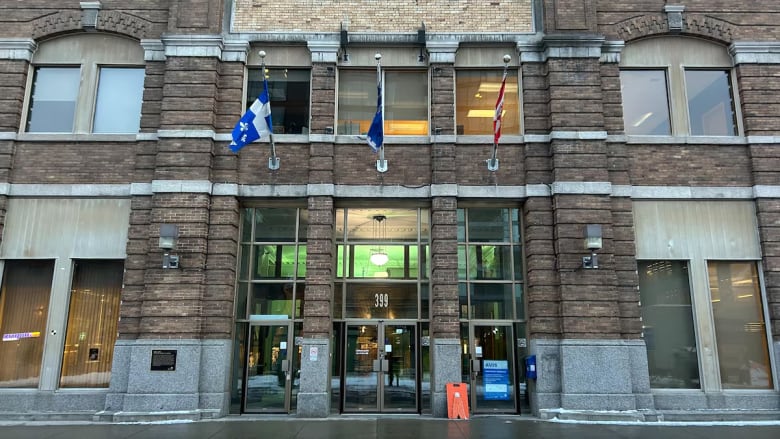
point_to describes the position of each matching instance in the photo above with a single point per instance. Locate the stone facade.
(572, 165)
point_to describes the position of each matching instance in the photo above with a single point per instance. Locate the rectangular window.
(710, 103)
(405, 102)
(476, 96)
(119, 99)
(24, 309)
(645, 102)
(489, 264)
(289, 91)
(740, 331)
(272, 263)
(93, 315)
(667, 324)
(53, 103)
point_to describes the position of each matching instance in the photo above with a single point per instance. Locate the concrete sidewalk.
(346, 427)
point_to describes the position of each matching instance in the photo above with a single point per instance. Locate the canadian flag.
(499, 111)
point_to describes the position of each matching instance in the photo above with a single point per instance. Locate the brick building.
(150, 272)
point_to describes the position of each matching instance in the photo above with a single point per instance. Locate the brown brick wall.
(769, 232)
(444, 269)
(759, 93)
(575, 94)
(319, 268)
(689, 165)
(536, 98)
(13, 79)
(543, 290)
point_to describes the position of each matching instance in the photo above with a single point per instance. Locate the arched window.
(87, 83)
(678, 86)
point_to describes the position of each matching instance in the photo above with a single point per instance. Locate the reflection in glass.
(361, 374)
(645, 102)
(406, 103)
(667, 319)
(743, 351)
(494, 383)
(271, 300)
(275, 224)
(53, 102)
(119, 99)
(266, 377)
(488, 225)
(356, 101)
(288, 90)
(476, 95)
(710, 104)
(24, 307)
(400, 389)
(491, 301)
(490, 262)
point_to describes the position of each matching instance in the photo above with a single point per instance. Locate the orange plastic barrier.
(457, 401)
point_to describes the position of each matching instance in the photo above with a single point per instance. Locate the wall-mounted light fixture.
(593, 242)
(169, 233)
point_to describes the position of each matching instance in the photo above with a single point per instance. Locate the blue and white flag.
(376, 132)
(255, 123)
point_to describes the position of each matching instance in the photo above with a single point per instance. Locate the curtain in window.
(92, 324)
(24, 308)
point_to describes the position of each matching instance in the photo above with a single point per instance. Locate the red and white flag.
(499, 111)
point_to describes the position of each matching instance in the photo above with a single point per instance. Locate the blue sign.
(495, 375)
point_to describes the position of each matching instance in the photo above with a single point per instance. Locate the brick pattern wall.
(443, 161)
(139, 244)
(623, 249)
(769, 231)
(172, 298)
(387, 16)
(575, 94)
(542, 280)
(323, 98)
(319, 268)
(13, 79)
(759, 98)
(536, 98)
(690, 165)
(444, 269)
(221, 263)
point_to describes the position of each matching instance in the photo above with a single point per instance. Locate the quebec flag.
(255, 123)
(376, 132)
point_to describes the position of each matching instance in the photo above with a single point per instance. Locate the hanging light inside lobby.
(379, 256)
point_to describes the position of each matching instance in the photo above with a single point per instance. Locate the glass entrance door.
(380, 373)
(272, 369)
(492, 368)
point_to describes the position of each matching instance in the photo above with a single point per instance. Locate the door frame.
(381, 365)
(289, 367)
(476, 362)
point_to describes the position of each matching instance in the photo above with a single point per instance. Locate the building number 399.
(381, 300)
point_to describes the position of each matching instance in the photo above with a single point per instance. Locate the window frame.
(248, 99)
(384, 71)
(90, 53)
(675, 55)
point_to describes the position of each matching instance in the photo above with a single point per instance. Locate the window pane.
(667, 319)
(338, 300)
(24, 308)
(289, 92)
(53, 103)
(406, 103)
(491, 301)
(275, 261)
(271, 300)
(645, 102)
(488, 225)
(740, 330)
(381, 301)
(476, 96)
(710, 106)
(398, 262)
(357, 101)
(119, 98)
(92, 324)
(490, 262)
(275, 225)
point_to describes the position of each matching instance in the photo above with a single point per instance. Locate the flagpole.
(492, 163)
(381, 164)
(273, 161)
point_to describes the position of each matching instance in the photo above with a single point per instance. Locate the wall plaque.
(163, 359)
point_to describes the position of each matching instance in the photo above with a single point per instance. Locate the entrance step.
(80, 416)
